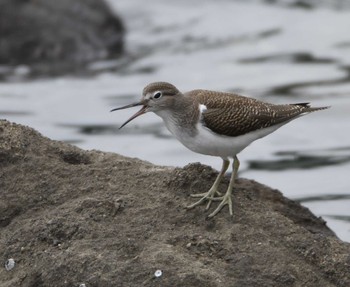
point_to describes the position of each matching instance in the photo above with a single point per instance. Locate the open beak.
(139, 113)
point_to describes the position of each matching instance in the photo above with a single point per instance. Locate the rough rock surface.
(69, 217)
(58, 33)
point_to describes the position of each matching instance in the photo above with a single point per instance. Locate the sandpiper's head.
(155, 97)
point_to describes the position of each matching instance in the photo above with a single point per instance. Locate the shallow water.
(274, 53)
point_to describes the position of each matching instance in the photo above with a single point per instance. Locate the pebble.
(158, 273)
(10, 264)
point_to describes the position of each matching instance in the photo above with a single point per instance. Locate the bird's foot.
(210, 196)
(226, 200)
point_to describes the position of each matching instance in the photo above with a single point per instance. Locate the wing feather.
(235, 115)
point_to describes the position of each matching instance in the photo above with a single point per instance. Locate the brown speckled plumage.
(234, 115)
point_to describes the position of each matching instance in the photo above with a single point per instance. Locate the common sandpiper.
(217, 124)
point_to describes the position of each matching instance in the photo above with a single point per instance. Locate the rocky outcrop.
(71, 217)
(58, 34)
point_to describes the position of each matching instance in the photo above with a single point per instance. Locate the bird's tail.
(309, 109)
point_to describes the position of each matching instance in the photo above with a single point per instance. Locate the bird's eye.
(157, 95)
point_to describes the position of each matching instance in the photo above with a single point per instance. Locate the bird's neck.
(181, 117)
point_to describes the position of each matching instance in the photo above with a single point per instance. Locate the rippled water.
(275, 53)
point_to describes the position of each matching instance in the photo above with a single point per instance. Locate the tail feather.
(309, 109)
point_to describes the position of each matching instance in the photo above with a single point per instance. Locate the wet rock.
(52, 36)
(71, 217)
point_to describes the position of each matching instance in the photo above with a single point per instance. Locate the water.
(274, 53)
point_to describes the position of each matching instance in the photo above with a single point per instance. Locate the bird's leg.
(227, 198)
(209, 195)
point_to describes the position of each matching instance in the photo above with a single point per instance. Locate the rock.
(71, 217)
(56, 35)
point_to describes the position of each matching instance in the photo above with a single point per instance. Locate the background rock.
(55, 35)
(69, 216)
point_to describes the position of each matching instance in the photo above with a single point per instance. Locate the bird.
(214, 123)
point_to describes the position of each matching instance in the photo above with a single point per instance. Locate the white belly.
(206, 142)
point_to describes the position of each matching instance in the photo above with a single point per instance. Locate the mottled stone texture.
(69, 216)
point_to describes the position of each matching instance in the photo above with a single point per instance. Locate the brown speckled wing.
(233, 115)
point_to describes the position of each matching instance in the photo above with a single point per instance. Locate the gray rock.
(58, 34)
(118, 220)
